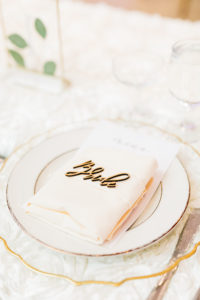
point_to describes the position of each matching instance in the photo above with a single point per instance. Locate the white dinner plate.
(33, 170)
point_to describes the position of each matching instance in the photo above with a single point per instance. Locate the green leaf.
(40, 28)
(17, 40)
(17, 57)
(49, 67)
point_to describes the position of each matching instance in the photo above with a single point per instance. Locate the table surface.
(93, 36)
(186, 9)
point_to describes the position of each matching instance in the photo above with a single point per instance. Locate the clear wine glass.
(138, 69)
(184, 85)
(140, 72)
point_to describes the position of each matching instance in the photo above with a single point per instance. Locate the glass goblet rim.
(182, 45)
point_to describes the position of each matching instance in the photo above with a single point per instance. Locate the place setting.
(81, 156)
(105, 207)
(59, 152)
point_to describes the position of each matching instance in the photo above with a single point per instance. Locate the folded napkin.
(92, 195)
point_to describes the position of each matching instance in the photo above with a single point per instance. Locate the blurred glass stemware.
(184, 85)
(139, 70)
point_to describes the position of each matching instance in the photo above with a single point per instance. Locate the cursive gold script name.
(95, 174)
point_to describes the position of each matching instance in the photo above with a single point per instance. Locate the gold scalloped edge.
(112, 283)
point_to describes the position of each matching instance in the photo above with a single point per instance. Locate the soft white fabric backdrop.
(92, 36)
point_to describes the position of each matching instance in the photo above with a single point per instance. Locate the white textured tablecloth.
(93, 35)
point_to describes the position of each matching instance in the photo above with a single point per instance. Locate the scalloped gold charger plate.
(162, 214)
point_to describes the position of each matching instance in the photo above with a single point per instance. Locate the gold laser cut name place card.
(94, 174)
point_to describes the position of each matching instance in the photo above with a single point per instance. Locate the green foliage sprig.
(18, 41)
